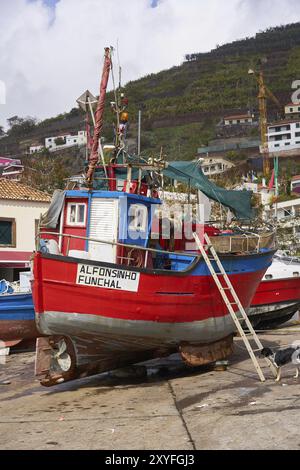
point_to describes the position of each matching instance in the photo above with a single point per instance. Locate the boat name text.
(107, 278)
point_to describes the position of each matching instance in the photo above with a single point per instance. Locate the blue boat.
(17, 318)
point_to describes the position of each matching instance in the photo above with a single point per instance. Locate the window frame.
(13, 243)
(76, 224)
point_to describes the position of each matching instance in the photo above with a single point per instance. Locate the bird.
(283, 357)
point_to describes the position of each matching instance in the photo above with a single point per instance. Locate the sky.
(51, 51)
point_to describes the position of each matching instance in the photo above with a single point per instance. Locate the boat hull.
(114, 326)
(273, 315)
(17, 317)
(275, 302)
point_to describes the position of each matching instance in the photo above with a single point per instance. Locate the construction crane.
(263, 95)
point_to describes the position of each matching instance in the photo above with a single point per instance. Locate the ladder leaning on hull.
(238, 320)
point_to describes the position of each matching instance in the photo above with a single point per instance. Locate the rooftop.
(284, 121)
(4, 161)
(20, 192)
(238, 116)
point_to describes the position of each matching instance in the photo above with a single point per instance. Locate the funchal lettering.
(109, 278)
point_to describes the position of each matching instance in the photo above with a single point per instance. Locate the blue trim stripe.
(17, 316)
(238, 265)
(16, 307)
(233, 265)
(111, 195)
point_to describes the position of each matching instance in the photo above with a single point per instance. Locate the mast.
(93, 158)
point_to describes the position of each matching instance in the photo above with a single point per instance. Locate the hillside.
(182, 105)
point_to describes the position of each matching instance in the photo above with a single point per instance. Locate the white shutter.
(103, 226)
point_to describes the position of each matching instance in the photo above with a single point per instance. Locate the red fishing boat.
(277, 298)
(108, 291)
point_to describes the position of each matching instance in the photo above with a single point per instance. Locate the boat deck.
(173, 408)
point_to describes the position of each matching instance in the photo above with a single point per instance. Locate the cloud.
(50, 52)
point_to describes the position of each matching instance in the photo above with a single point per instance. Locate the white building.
(65, 140)
(20, 210)
(265, 194)
(35, 149)
(284, 136)
(286, 210)
(238, 119)
(287, 214)
(295, 184)
(215, 165)
(292, 111)
(13, 172)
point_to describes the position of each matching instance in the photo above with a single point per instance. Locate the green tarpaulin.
(239, 202)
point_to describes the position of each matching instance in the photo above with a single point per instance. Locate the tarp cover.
(239, 202)
(50, 218)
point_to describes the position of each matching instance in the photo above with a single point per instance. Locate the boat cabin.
(96, 224)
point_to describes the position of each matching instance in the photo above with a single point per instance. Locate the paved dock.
(173, 408)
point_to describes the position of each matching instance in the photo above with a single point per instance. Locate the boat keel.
(199, 355)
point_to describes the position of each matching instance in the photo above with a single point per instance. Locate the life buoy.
(136, 258)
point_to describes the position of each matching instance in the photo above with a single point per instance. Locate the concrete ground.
(173, 408)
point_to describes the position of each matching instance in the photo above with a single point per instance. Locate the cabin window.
(7, 232)
(76, 214)
(269, 276)
(138, 218)
(296, 274)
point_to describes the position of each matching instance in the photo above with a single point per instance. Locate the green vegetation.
(178, 143)
(181, 106)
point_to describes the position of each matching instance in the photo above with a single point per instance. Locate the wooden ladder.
(248, 334)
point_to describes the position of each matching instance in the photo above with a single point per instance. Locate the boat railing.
(235, 244)
(110, 242)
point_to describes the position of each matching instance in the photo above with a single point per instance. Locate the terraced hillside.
(182, 105)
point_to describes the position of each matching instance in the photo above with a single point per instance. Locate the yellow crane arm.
(274, 99)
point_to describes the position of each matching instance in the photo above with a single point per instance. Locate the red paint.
(112, 182)
(277, 291)
(55, 289)
(15, 256)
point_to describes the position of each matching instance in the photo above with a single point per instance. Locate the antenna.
(119, 65)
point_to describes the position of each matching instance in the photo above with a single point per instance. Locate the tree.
(19, 127)
(45, 173)
(75, 112)
(14, 121)
(2, 131)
